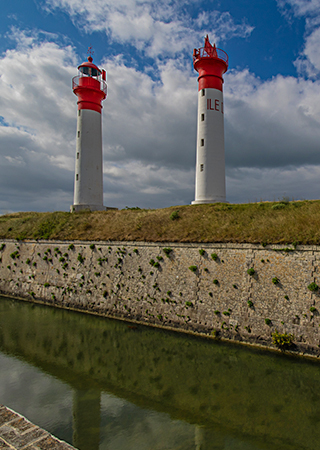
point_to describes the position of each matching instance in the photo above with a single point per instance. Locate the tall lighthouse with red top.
(90, 87)
(211, 63)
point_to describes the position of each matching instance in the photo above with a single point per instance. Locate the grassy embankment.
(266, 223)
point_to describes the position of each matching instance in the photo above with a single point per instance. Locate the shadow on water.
(136, 387)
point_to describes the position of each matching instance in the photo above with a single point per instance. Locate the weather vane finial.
(90, 52)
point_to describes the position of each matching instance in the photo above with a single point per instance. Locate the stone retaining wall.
(183, 287)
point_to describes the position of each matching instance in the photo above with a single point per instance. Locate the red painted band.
(89, 105)
(210, 82)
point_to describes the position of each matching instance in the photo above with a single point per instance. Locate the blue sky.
(272, 98)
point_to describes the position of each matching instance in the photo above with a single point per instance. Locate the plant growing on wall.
(250, 303)
(92, 246)
(80, 258)
(275, 280)
(167, 251)
(214, 256)
(267, 321)
(313, 287)
(251, 271)
(215, 282)
(202, 252)
(282, 340)
(313, 309)
(193, 268)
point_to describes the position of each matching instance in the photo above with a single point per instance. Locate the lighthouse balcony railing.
(89, 82)
(212, 52)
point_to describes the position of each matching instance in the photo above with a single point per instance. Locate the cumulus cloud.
(275, 123)
(148, 136)
(149, 131)
(158, 27)
(301, 7)
(308, 62)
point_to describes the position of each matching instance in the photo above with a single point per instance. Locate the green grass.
(258, 223)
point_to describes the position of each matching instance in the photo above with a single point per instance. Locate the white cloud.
(158, 27)
(308, 63)
(301, 7)
(275, 123)
(149, 132)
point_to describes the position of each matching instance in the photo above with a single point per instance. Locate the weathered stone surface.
(139, 282)
(17, 433)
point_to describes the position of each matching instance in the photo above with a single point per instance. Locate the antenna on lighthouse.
(210, 63)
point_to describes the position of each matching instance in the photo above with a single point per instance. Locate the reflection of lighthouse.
(90, 87)
(211, 63)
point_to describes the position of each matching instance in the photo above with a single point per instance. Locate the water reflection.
(140, 388)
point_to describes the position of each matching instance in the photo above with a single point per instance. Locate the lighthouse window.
(77, 177)
(78, 133)
(79, 112)
(202, 142)
(201, 167)
(91, 71)
(78, 154)
(202, 92)
(202, 117)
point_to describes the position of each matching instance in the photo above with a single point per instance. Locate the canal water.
(109, 385)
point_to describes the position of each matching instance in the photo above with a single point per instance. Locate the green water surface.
(106, 384)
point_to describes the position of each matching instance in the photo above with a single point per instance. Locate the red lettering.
(216, 105)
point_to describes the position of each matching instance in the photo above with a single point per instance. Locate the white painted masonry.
(210, 186)
(88, 183)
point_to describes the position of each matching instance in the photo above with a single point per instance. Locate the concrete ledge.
(17, 433)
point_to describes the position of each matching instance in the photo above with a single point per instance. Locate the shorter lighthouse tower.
(90, 87)
(211, 63)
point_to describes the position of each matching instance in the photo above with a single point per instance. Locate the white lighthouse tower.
(211, 63)
(90, 87)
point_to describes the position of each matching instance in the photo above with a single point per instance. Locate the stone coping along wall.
(241, 292)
